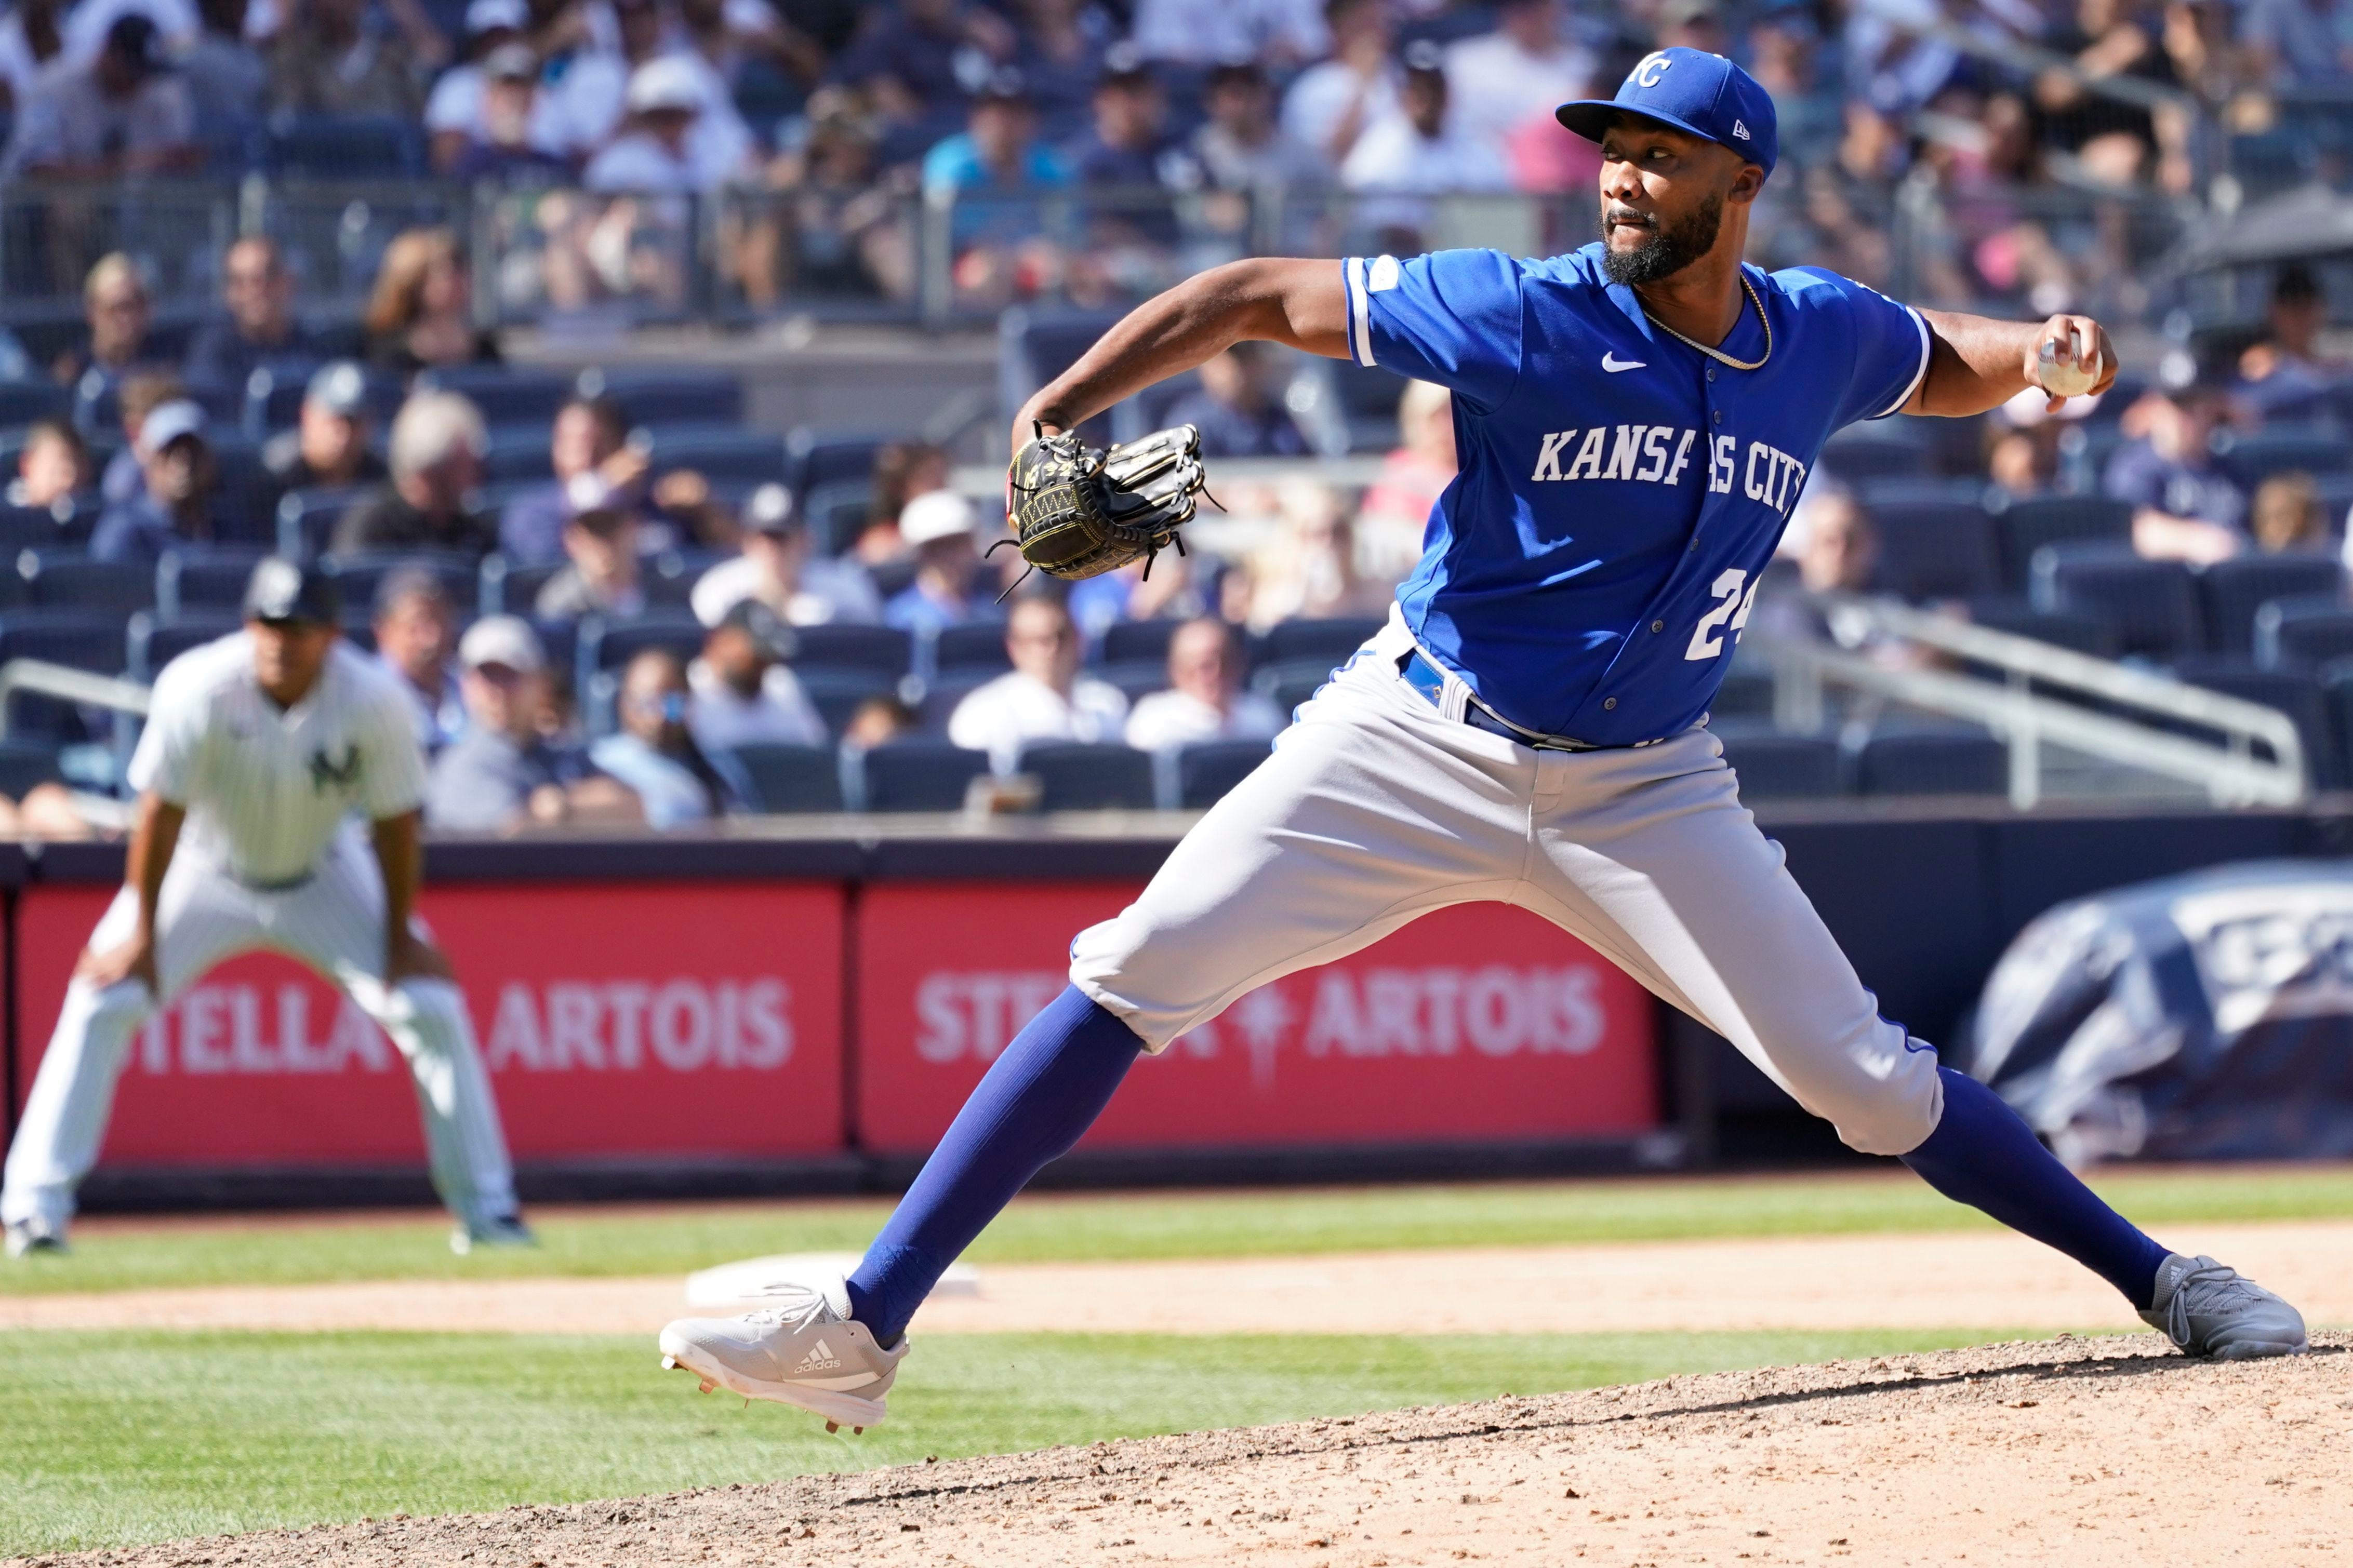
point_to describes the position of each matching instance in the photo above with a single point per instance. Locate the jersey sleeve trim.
(1926, 347)
(1360, 307)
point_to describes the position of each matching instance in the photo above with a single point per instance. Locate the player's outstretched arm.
(1975, 363)
(1298, 302)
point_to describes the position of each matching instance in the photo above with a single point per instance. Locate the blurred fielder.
(263, 745)
(1635, 420)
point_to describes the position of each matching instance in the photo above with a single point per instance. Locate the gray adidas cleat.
(2207, 1309)
(28, 1236)
(492, 1230)
(803, 1349)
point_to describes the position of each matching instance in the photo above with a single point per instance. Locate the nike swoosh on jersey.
(1613, 365)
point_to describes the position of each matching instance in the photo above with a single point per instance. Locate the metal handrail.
(2231, 771)
(71, 684)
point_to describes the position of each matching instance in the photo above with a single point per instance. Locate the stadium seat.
(346, 147)
(307, 519)
(154, 642)
(609, 645)
(1773, 766)
(503, 588)
(1923, 759)
(2151, 605)
(886, 650)
(518, 456)
(2300, 694)
(505, 396)
(83, 639)
(1878, 449)
(2080, 634)
(1303, 641)
(2250, 456)
(793, 778)
(26, 765)
(917, 775)
(1208, 770)
(1089, 778)
(211, 577)
(668, 396)
(60, 579)
(358, 576)
(1131, 642)
(1034, 345)
(838, 690)
(974, 646)
(1935, 549)
(243, 491)
(669, 578)
(836, 512)
(1346, 406)
(1747, 692)
(815, 458)
(65, 526)
(23, 402)
(2303, 633)
(718, 452)
(942, 692)
(2026, 526)
(2235, 589)
(1135, 677)
(1291, 683)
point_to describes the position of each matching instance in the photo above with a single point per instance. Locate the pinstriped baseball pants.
(333, 925)
(1374, 810)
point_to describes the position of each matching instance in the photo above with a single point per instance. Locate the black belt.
(1430, 682)
(282, 885)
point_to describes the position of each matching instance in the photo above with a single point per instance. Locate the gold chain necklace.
(1719, 357)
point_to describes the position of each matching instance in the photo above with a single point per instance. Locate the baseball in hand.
(2073, 376)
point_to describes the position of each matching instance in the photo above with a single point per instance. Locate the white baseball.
(2071, 378)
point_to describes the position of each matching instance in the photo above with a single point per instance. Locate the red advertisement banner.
(1480, 1021)
(617, 1020)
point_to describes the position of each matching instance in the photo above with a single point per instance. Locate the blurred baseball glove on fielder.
(1079, 513)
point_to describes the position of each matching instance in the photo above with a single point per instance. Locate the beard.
(1670, 247)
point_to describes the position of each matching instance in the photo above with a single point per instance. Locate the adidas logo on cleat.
(820, 1358)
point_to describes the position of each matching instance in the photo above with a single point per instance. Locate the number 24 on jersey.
(1734, 596)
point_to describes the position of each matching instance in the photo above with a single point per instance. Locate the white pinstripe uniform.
(268, 859)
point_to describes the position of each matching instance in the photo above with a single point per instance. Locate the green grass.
(109, 1439)
(582, 1243)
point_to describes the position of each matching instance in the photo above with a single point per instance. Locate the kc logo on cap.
(1694, 91)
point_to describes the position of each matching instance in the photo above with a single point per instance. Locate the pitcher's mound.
(2081, 1451)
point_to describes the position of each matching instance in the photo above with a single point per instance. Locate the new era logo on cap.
(1692, 91)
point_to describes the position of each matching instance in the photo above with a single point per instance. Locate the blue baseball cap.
(1692, 91)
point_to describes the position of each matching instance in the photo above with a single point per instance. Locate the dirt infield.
(2086, 1452)
(1949, 1280)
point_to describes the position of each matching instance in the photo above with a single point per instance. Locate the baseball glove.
(1079, 513)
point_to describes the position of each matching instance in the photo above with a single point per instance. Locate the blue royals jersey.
(1619, 493)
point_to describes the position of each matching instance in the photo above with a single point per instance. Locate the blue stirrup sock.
(1983, 1155)
(1034, 1102)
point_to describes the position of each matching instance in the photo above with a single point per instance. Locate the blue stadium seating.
(22, 402)
(1305, 640)
(1089, 778)
(2236, 588)
(518, 456)
(2151, 605)
(1879, 449)
(357, 577)
(81, 638)
(1135, 677)
(974, 646)
(507, 589)
(207, 577)
(792, 778)
(27, 765)
(1746, 691)
(718, 452)
(608, 645)
(272, 398)
(2298, 693)
(835, 512)
(66, 526)
(2250, 456)
(1943, 759)
(61, 578)
(1773, 766)
(1034, 345)
(660, 397)
(838, 690)
(307, 519)
(917, 775)
(346, 147)
(1130, 642)
(2026, 526)
(1289, 682)
(1935, 549)
(1207, 770)
(2301, 633)
(243, 491)
(813, 457)
(505, 395)
(2080, 634)
(886, 650)
(942, 693)
(154, 642)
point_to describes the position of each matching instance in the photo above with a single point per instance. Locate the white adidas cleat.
(803, 1349)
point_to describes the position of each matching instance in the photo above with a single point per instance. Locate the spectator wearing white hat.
(778, 569)
(660, 151)
(173, 505)
(502, 775)
(455, 114)
(1043, 697)
(941, 527)
(593, 94)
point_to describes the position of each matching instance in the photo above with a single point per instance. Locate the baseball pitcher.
(1634, 420)
(258, 750)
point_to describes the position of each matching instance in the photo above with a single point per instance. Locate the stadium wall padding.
(802, 1006)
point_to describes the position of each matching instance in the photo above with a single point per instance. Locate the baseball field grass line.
(592, 1243)
(110, 1439)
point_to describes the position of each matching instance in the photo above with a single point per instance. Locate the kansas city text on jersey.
(1640, 453)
